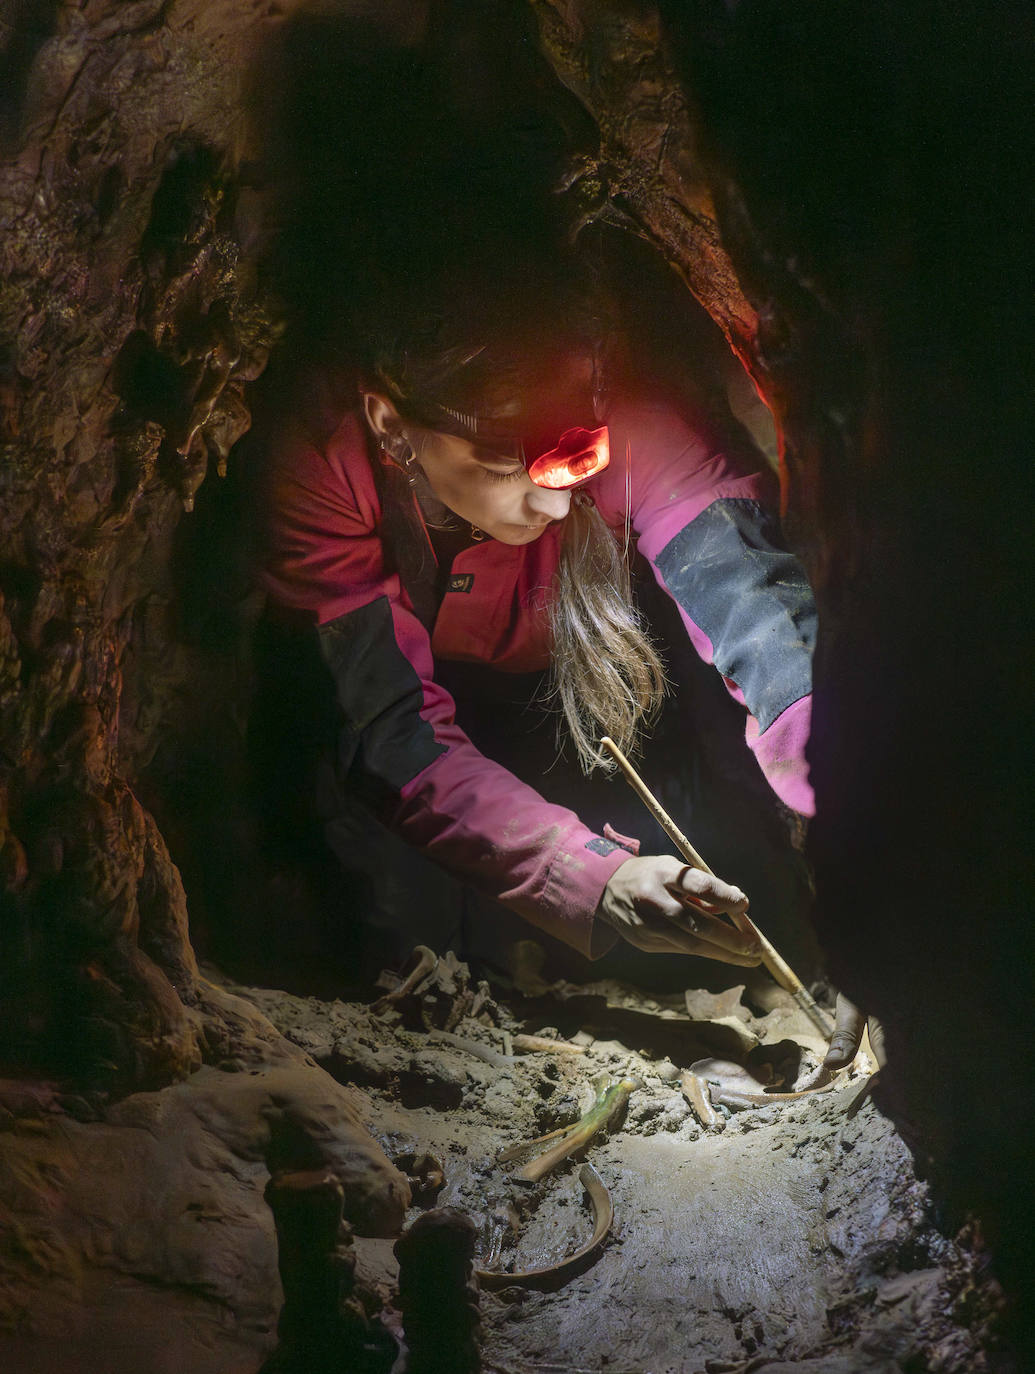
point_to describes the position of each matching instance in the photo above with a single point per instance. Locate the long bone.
(610, 1100)
(552, 1275)
(712, 1083)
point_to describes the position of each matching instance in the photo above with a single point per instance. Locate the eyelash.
(491, 475)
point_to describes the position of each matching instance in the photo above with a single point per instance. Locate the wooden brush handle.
(771, 957)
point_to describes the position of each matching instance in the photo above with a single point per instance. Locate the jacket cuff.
(780, 752)
(574, 887)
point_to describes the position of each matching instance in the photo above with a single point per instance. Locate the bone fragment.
(609, 1103)
(553, 1275)
(820, 1077)
(544, 1043)
(695, 1090)
(490, 1056)
(730, 1085)
(734, 1098)
(426, 963)
(503, 1219)
(523, 1146)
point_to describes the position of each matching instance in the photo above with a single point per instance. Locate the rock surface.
(794, 1238)
(138, 1230)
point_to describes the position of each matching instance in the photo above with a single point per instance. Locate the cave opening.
(346, 1022)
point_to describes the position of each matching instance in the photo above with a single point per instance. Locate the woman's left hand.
(661, 905)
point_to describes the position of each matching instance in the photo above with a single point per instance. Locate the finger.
(848, 1029)
(709, 892)
(744, 958)
(679, 942)
(660, 941)
(709, 938)
(877, 1044)
(689, 916)
(725, 936)
(673, 940)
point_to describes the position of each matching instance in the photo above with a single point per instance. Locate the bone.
(543, 1044)
(426, 963)
(695, 1090)
(473, 1047)
(523, 1146)
(609, 1103)
(553, 1275)
(730, 1085)
(731, 1097)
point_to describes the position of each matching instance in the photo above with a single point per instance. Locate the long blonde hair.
(606, 676)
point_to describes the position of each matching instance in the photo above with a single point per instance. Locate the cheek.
(471, 495)
(487, 502)
(505, 497)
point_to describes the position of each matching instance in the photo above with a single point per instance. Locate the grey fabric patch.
(599, 846)
(731, 576)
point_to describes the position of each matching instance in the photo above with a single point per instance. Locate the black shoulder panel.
(385, 737)
(751, 598)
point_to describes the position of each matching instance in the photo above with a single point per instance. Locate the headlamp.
(576, 456)
(558, 463)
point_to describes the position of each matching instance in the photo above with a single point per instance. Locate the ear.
(380, 414)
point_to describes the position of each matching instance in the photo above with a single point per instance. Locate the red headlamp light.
(578, 455)
(575, 457)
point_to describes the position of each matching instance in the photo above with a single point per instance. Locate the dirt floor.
(791, 1236)
(788, 1237)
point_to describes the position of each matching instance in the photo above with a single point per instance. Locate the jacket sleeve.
(703, 511)
(399, 741)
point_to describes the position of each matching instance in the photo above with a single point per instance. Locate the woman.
(479, 505)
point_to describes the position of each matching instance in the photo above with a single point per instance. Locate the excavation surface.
(790, 1236)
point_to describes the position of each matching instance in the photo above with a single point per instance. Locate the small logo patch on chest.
(599, 846)
(461, 582)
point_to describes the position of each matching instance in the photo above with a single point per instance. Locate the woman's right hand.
(661, 905)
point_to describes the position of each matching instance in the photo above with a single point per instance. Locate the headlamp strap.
(468, 421)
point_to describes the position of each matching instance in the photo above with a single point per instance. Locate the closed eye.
(495, 475)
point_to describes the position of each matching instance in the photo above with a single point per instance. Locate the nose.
(548, 503)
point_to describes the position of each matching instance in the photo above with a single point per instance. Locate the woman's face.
(488, 488)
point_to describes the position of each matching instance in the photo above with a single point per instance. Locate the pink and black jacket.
(702, 516)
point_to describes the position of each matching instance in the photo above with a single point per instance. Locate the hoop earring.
(478, 535)
(400, 451)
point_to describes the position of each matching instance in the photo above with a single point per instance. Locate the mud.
(793, 1237)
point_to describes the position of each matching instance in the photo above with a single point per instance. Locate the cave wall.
(142, 1108)
(131, 324)
(875, 205)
